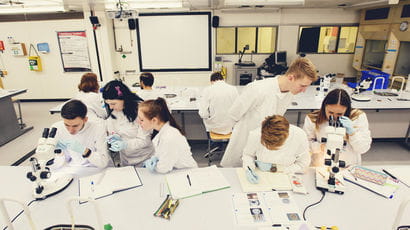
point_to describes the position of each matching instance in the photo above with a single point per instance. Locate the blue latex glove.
(151, 163)
(347, 123)
(71, 145)
(266, 167)
(61, 145)
(118, 145)
(112, 138)
(252, 176)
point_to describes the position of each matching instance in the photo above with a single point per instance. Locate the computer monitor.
(280, 57)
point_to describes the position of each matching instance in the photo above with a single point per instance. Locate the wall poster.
(74, 51)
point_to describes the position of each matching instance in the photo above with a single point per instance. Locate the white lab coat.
(260, 99)
(91, 136)
(357, 144)
(149, 94)
(172, 150)
(293, 156)
(214, 104)
(94, 103)
(139, 144)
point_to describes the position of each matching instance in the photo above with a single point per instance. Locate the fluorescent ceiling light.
(30, 6)
(263, 2)
(369, 3)
(138, 4)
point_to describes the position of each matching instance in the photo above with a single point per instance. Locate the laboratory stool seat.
(216, 139)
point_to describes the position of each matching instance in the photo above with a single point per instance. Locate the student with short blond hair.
(276, 146)
(275, 130)
(264, 98)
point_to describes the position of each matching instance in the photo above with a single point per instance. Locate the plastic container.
(376, 73)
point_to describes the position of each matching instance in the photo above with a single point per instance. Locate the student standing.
(265, 98)
(276, 147)
(125, 135)
(82, 141)
(338, 104)
(90, 96)
(171, 147)
(214, 105)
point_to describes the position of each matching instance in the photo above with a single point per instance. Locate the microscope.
(45, 184)
(361, 87)
(328, 177)
(324, 86)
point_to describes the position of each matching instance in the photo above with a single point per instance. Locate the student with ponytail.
(171, 147)
(124, 135)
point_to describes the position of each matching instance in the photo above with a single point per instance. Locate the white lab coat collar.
(86, 126)
(163, 129)
(276, 88)
(219, 82)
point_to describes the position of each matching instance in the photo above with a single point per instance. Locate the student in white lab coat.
(171, 147)
(265, 98)
(276, 147)
(338, 104)
(82, 141)
(125, 135)
(146, 82)
(214, 105)
(90, 96)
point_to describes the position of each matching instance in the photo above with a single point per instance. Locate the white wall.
(54, 83)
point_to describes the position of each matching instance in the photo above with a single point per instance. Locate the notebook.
(268, 181)
(192, 182)
(109, 181)
(387, 189)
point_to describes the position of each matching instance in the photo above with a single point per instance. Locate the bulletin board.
(74, 51)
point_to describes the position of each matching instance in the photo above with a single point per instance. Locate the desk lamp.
(241, 53)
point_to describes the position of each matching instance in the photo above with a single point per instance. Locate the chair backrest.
(6, 216)
(400, 212)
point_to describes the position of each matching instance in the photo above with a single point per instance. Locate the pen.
(389, 174)
(189, 179)
(276, 225)
(92, 186)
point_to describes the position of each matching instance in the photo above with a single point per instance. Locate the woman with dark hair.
(338, 104)
(124, 135)
(171, 147)
(88, 94)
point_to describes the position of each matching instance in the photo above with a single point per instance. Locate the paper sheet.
(266, 208)
(109, 181)
(201, 180)
(267, 181)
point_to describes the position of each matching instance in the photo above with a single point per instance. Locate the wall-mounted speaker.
(132, 25)
(94, 20)
(215, 21)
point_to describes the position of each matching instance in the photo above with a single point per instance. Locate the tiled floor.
(36, 114)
